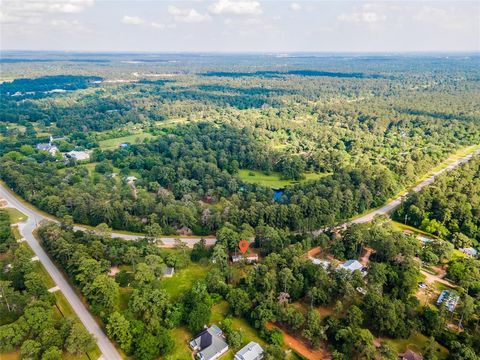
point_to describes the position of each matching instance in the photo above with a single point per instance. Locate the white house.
(251, 351)
(353, 265)
(470, 251)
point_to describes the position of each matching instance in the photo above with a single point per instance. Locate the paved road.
(106, 347)
(389, 207)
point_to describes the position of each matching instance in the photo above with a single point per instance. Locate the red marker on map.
(243, 245)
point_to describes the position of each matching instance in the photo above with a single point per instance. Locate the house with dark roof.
(251, 351)
(410, 355)
(210, 344)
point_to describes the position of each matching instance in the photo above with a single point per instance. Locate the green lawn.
(220, 312)
(183, 279)
(16, 215)
(132, 139)
(181, 351)
(47, 280)
(273, 180)
(416, 342)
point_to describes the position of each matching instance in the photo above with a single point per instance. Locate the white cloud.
(368, 17)
(132, 20)
(70, 26)
(187, 15)
(33, 11)
(241, 7)
(29, 7)
(443, 18)
(157, 25)
(295, 6)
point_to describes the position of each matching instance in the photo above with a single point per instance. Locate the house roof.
(169, 270)
(469, 251)
(251, 351)
(411, 355)
(209, 342)
(351, 265)
(450, 298)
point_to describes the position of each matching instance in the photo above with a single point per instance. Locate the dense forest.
(29, 319)
(253, 147)
(450, 208)
(371, 130)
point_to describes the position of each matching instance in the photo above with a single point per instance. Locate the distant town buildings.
(251, 351)
(209, 344)
(449, 298)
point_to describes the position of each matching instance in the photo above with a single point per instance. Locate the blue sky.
(240, 25)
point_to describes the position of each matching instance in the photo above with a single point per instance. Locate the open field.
(15, 215)
(132, 139)
(273, 180)
(183, 279)
(416, 342)
(181, 350)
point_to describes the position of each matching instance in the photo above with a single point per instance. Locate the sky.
(240, 26)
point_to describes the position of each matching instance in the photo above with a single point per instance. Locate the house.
(78, 155)
(470, 251)
(251, 351)
(323, 263)
(48, 147)
(449, 298)
(168, 272)
(424, 239)
(185, 231)
(209, 344)
(130, 178)
(250, 258)
(410, 355)
(351, 265)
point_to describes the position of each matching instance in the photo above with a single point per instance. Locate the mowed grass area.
(273, 180)
(181, 350)
(16, 215)
(183, 279)
(416, 342)
(132, 139)
(220, 312)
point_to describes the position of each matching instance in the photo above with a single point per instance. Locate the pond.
(277, 194)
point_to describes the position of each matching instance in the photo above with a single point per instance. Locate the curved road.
(108, 350)
(26, 228)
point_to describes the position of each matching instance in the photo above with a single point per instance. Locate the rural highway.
(389, 207)
(26, 228)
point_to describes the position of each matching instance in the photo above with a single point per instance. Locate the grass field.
(132, 139)
(183, 279)
(273, 180)
(181, 351)
(220, 312)
(15, 215)
(417, 343)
